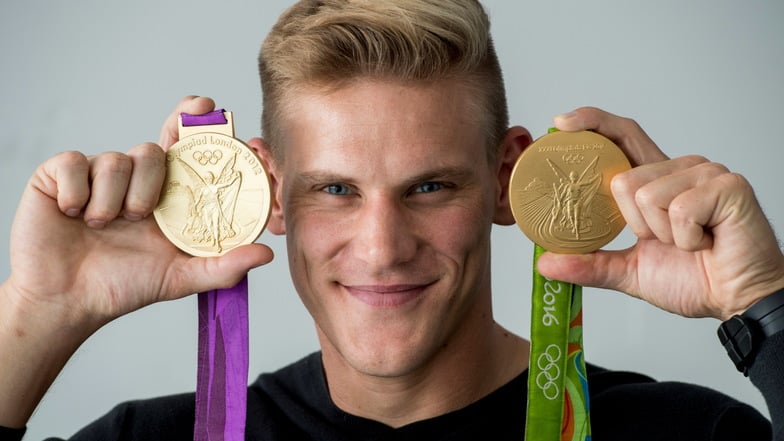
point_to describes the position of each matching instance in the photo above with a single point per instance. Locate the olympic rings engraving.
(573, 158)
(208, 156)
(549, 373)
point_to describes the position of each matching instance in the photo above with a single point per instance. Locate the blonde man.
(388, 142)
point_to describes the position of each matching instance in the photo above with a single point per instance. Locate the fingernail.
(568, 121)
(95, 223)
(133, 217)
(566, 116)
(72, 212)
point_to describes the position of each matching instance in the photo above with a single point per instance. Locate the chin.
(381, 359)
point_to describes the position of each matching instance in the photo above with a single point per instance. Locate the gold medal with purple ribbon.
(216, 196)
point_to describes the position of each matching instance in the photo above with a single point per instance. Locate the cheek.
(306, 247)
(460, 233)
(313, 237)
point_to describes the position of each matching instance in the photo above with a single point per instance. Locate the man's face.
(388, 199)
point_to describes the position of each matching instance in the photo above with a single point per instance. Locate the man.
(386, 135)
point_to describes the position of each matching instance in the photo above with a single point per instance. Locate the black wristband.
(743, 334)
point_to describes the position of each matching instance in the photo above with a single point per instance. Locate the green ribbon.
(558, 405)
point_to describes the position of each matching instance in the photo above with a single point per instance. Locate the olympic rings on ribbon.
(549, 373)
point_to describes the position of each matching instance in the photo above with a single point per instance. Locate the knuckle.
(113, 163)
(621, 185)
(679, 212)
(712, 168)
(630, 128)
(146, 149)
(693, 160)
(72, 160)
(630, 123)
(148, 152)
(736, 183)
(645, 196)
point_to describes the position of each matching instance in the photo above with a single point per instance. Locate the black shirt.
(294, 404)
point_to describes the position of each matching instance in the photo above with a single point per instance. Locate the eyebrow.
(311, 179)
(458, 174)
(450, 173)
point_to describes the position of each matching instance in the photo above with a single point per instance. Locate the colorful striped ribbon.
(558, 404)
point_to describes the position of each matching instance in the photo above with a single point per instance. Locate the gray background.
(701, 77)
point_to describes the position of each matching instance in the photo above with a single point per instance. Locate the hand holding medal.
(216, 196)
(560, 198)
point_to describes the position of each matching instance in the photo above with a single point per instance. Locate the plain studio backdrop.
(701, 77)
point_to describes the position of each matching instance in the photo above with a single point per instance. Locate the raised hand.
(85, 250)
(704, 246)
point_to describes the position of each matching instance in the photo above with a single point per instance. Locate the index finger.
(193, 104)
(625, 132)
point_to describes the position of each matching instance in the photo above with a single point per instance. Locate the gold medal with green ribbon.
(560, 197)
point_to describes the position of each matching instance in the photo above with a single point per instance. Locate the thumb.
(600, 269)
(199, 274)
(192, 104)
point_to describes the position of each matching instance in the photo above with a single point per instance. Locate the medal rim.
(265, 212)
(554, 244)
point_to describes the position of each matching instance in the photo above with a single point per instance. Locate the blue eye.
(429, 187)
(337, 189)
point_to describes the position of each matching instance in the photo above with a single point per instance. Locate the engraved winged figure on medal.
(572, 199)
(212, 199)
(567, 205)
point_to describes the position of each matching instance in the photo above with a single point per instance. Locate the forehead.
(375, 114)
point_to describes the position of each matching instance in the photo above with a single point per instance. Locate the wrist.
(41, 317)
(742, 334)
(34, 347)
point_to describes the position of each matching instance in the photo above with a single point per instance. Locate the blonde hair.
(329, 43)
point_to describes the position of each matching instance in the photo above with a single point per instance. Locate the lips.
(387, 296)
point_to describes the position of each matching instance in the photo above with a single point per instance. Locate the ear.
(516, 140)
(276, 224)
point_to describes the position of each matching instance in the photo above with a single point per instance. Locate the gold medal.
(216, 195)
(560, 191)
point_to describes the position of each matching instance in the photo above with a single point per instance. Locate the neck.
(462, 372)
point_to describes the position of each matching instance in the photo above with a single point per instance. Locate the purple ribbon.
(207, 119)
(222, 376)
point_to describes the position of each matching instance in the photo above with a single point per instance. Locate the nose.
(385, 234)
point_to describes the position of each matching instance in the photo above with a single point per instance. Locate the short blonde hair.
(329, 43)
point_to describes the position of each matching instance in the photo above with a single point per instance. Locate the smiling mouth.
(387, 296)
